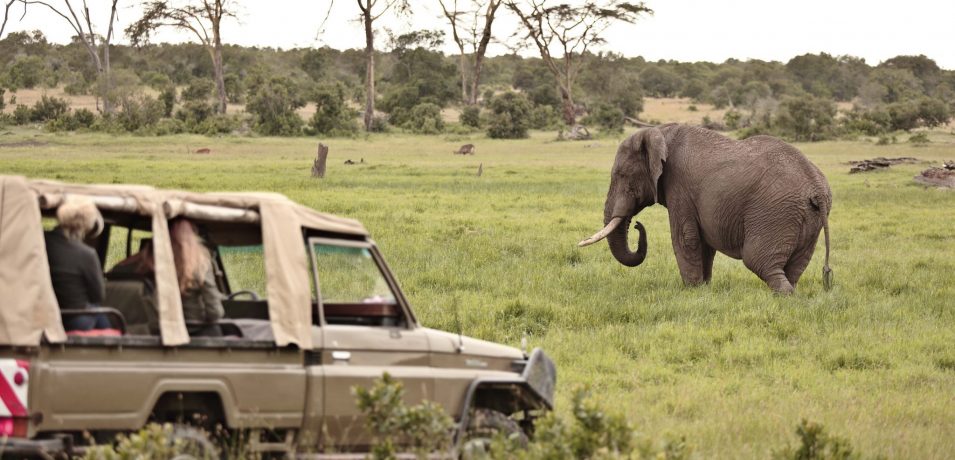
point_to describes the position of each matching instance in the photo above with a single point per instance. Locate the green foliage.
(169, 126)
(156, 80)
(139, 114)
(660, 81)
(26, 72)
(199, 90)
(607, 117)
(424, 119)
(424, 427)
(152, 442)
(470, 116)
(22, 114)
(806, 118)
(49, 108)
(920, 138)
(273, 106)
(510, 113)
(168, 98)
(545, 117)
(816, 444)
(3, 103)
(332, 115)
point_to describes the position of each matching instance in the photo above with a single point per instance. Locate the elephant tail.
(823, 203)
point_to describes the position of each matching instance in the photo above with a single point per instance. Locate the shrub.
(138, 114)
(332, 115)
(80, 119)
(155, 80)
(21, 114)
(544, 117)
(424, 119)
(198, 90)
(3, 104)
(273, 106)
(919, 138)
(169, 126)
(732, 118)
(217, 124)
(470, 116)
(154, 442)
(510, 113)
(26, 72)
(425, 427)
(193, 113)
(168, 98)
(806, 118)
(816, 444)
(49, 108)
(607, 117)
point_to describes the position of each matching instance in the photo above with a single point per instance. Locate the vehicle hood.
(446, 342)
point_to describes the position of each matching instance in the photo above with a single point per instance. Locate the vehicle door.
(367, 330)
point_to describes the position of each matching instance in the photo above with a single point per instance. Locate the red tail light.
(14, 383)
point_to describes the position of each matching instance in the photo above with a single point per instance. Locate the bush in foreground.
(510, 114)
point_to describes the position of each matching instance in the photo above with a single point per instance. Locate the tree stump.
(318, 168)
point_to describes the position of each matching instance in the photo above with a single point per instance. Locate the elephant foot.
(780, 285)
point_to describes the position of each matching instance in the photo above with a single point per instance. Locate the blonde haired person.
(74, 267)
(201, 299)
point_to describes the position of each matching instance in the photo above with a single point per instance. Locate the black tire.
(486, 425)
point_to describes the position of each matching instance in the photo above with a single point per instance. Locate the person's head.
(191, 257)
(79, 218)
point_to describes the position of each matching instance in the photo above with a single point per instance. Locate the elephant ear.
(656, 148)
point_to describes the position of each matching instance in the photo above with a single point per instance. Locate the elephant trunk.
(620, 248)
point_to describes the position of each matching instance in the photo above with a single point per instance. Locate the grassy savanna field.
(730, 366)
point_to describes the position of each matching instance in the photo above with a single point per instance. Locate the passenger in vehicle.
(74, 267)
(201, 299)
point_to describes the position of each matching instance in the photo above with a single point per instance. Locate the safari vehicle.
(312, 310)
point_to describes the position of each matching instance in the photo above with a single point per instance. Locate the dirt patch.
(879, 163)
(26, 143)
(938, 177)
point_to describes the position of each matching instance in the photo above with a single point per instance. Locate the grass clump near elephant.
(759, 200)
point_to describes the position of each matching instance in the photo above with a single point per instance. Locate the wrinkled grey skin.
(759, 200)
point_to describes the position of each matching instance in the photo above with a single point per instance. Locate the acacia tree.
(563, 33)
(6, 15)
(201, 17)
(368, 18)
(477, 28)
(82, 23)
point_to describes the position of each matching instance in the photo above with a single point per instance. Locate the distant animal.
(204, 150)
(349, 162)
(759, 200)
(466, 149)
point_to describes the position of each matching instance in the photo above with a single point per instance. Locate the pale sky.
(683, 30)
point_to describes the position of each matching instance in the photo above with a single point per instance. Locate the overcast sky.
(684, 30)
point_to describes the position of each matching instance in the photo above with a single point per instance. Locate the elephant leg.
(708, 254)
(764, 257)
(690, 251)
(800, 260)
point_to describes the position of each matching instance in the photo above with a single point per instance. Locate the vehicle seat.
(134, 299)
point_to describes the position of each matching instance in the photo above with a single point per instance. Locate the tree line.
(170, 88)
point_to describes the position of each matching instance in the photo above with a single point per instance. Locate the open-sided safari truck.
(311, 311)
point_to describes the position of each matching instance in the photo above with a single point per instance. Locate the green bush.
(919, 138)
(332, 115)
(510, 116)
(152, 442)
(273, 106)
(138, 114)
(49, 108)
(470, 116)
(155, 80)
(26, 72)
(424, 119)
(193, 113)
(169, 126)
(168, 98)
(607, 117)
(816, 444)
(3, 103)
(79, 119)
(21, 114)
(198, 90)
(806, 118)
(425, 427)
(544, 117)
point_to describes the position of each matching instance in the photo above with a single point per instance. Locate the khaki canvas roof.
(30, 308)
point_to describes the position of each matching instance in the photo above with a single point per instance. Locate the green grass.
(729, 365)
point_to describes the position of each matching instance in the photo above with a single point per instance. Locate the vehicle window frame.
(409, 319)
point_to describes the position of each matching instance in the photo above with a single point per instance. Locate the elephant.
(760, 200)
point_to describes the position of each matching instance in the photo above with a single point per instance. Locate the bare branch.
(6, 15)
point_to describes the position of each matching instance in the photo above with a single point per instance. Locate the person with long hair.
(74, 267)
(201, 299)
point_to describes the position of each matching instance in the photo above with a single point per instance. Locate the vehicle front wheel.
(486, 426)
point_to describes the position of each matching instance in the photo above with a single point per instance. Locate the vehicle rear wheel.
(485, 426)
(192, 444)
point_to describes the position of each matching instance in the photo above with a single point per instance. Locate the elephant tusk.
(601, 234)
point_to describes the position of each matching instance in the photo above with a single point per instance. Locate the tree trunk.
(482, 49)
(463, 66)
(569, 109)
(318, 168)
(219, 74)
(369, 69)
(107, 106)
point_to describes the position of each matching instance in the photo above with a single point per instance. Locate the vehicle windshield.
(350, 275)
